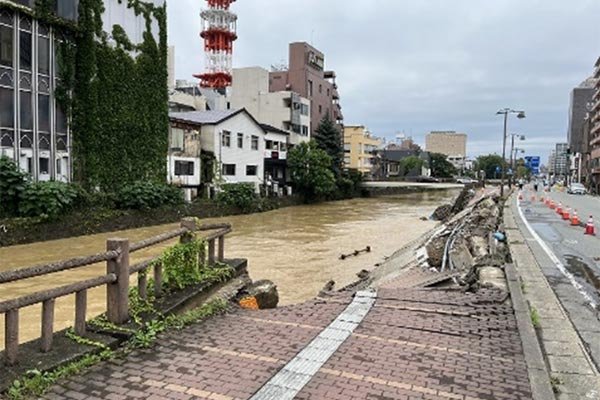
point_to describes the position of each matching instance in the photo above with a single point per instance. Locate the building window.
(320, 109)
(228, 170)
(226, 139)
(7, 110)
(25, 50)
(26, 111)
(320, 88)
(269, 145)
(67, 9)
(304, 109)
(251, 170)
(44, 166)
(296, 128)
(328, 92)
(177, 141)
(6, 46)
(44, 55)
(240, 140)
(44, 113)
(310, 88)
(304, 130)
(254, 142)
(184, 168)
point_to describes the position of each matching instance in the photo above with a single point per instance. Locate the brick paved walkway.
(415, 343)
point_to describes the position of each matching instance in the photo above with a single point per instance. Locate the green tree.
(489, 163)
(311, 171)
(441, 167)
(328, 138)
(411, 163)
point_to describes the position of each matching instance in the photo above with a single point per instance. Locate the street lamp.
(506, 112)
(512, 158)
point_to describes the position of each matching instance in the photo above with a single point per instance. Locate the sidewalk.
(569, 364)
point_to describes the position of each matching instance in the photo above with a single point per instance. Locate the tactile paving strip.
(290, 380)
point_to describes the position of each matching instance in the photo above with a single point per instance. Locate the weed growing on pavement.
(555, 381)
(523, 287)
(535, 317)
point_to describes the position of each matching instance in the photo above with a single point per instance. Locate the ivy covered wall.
(119, 102)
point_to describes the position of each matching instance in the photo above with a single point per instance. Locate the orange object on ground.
(575, 219)
(249, 303)
(552, 205)
(589, 227)
(566, 215)
(559, 209)
(520, 195)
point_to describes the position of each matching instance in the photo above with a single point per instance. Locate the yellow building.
(359, 147)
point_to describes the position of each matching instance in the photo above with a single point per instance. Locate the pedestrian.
(535, 186)
(521, 184)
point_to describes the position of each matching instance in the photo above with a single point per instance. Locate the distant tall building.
(581, 96)
(594, 120)
(561, 167)
(306, 75)
(449, 143)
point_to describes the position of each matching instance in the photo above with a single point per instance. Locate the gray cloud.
(416, 66)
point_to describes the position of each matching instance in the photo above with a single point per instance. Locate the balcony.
(335, 95)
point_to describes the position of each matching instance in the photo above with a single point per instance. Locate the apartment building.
(449, 143)
(594, 133)
(307, 76)
(34, 130)
(284, 109)
(359, 148)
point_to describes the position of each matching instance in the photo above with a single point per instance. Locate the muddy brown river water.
(297, 247)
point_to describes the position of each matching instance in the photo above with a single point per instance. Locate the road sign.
(533, 164)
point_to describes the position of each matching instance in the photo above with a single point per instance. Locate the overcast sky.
(420, 65)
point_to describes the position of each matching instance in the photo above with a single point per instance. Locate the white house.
(233, 137)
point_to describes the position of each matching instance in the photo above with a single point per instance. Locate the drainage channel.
(290, 380)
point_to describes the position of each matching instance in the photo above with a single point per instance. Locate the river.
(296, 247)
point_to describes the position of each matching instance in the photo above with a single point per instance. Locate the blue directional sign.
(533, 164)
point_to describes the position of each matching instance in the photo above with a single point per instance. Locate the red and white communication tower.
(219, 33)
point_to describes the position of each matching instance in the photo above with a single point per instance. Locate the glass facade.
(33, 129)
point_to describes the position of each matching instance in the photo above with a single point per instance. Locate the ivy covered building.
(68, 68)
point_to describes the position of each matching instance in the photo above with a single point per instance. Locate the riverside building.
(34, 128)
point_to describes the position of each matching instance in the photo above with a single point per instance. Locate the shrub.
(143, 195)
(239, 195)
(47, 199)
(12, 183)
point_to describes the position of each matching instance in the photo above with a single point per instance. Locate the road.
(574, 274)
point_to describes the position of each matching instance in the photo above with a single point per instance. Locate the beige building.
(284, 109)
(359, 147)
(451, 144)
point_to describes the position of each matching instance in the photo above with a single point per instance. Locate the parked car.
(577, 188)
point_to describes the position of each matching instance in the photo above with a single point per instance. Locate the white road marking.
(556, 260)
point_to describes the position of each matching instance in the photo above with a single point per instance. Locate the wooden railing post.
(11, 336)
(221, 248)
(117, 299)
(211, 252)
(80, 312)
(158, 279)
(190, 225)
(47, 325)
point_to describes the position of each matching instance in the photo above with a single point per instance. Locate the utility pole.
(505, 112)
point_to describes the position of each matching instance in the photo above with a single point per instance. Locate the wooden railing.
(116, 280)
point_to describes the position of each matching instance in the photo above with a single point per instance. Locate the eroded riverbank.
(296, 247)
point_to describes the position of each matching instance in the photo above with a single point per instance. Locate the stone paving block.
(570, 364)
(562, 348)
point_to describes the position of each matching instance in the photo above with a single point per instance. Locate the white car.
(577, 188)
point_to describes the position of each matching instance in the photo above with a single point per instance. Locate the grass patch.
(535, 317)
(555, 381)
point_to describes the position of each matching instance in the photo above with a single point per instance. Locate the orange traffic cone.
(533, 198)
(552, 205)
(542, 200)
(559, 209)
(521, 196)
(589, 227)
(575, 219)
(566, 214)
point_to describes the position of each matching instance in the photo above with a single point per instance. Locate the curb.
(536, 365)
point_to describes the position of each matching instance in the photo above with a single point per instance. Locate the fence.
(116, 280)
